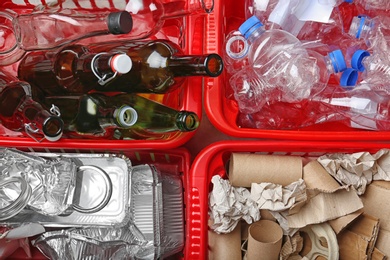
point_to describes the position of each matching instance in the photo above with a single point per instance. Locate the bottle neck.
(40, 121)
(187, 121)
(198, 65)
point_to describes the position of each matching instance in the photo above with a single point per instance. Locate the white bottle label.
(261, 5)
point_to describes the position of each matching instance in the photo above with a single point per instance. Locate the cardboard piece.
(327, 200)
(375, 201)
(264, 241)
(225, 246)
(358, 241)
(378, 255)
(352, 246)
(316, 177)
(292, 247)
(245, 169)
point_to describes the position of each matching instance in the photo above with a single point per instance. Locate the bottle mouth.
(214, 65)
(10, 52)
(126, 116)
(188, 121)
(53, 128)
(237, 47)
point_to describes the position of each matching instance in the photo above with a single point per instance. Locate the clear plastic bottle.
(147, 66)
(372, 7)
(19, 112)
(48, 30)
(374, 31)
(359, 108)
(280, 68)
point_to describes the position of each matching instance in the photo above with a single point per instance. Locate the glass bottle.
(143, 119)
(19, 112)
(154, 66)
(42, 30)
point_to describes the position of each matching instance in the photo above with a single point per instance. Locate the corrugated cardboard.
(378, 255)
(316, 177)
(352, 246)
(366, 226)
(376, 203)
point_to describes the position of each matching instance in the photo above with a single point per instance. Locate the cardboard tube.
(264, 241)
(316, 177)
(245, 169)
(225, 246)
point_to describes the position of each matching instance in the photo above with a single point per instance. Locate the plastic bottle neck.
(361, 27)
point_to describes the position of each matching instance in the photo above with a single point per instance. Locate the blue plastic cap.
(338, 60)
(249, 26)
(348, 1)
(357, 59)
(349, 78)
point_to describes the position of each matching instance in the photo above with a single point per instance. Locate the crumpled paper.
(275, 197)
(228, 204)
(358, 169)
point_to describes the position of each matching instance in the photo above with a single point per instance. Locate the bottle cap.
(213, 65)
(121, 63)
(126, 116)
(338, 60)
(120, 22)
(359, 24)
(349, 77)
(249, 26)
(357, 59)
(348, 1)
(53, 128)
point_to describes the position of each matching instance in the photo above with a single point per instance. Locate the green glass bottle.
(157, 66)
(121, 116)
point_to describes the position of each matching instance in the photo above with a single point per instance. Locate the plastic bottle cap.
(349, 77)
(127, 116)
(249, 26)
(120, 22)
(121, 63)
(338, 60)
(348, 1)
(357, 59)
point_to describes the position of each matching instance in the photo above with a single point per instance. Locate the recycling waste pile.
(301, 70)
(290, 200)
(120, 72)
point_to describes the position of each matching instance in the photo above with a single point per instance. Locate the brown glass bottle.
(155, 67)
(19, 112)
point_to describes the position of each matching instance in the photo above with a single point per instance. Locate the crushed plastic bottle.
(280, 69)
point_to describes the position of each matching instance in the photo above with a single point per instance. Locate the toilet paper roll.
(245, 169)
(225, 246)
(264, 241)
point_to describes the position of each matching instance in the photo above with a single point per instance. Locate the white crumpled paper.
(228, 204)
(358, 169)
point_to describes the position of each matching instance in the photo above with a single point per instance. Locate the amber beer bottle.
(152, 67)
(136, 117)
(20, 113)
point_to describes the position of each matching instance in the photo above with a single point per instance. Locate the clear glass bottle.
(42, 30)
(154, 66)
(19, 112)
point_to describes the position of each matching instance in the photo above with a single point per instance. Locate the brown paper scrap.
(378, 255)
(376, 203)
(316, 177)
(225, 246)
(292, 247)
(352, 246)
(245, 169)
(322, 207)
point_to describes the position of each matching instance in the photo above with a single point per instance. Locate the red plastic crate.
(174, 161)
(213, 161)
(187, 31)
(222, 111)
